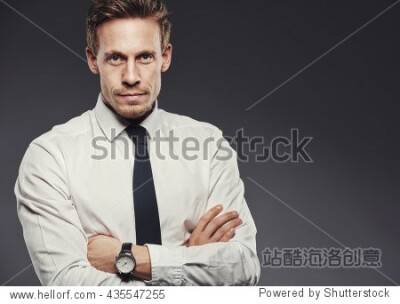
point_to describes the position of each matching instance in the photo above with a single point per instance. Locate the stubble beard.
(131, 113)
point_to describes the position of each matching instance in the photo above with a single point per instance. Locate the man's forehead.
(129, 34)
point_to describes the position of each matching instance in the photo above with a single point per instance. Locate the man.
(83, 200)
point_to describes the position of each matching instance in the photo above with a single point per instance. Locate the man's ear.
(92, 61)
(167, 58)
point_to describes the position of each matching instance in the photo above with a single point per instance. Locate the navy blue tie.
(144, 197)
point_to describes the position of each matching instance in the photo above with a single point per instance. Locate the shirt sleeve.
(53, 233)
(223, 263)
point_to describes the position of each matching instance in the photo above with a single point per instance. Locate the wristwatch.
(125, 263)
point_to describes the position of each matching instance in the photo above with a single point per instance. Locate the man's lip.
(132, 99)
(136, 94)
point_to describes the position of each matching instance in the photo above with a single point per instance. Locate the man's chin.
(134, 111)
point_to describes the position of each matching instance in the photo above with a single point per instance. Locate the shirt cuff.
(166, 265)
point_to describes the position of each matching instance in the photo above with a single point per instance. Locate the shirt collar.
(112, 124)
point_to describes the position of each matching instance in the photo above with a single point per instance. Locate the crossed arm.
(211, 228)
(62, 254)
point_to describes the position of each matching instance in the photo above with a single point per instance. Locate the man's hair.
(101, 11)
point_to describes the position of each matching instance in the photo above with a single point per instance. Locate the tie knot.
(137, 133)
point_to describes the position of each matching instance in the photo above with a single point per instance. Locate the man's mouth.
(132, 97)
(132, 94)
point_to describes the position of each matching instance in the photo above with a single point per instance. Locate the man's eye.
(146, 58)
(115, 58)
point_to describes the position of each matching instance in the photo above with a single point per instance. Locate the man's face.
(130, 62)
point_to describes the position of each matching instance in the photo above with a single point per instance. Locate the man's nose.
(131, 75)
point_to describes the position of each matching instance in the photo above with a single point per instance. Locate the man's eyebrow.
(113, 52)
(147, 51)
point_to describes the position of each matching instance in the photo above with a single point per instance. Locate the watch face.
(125, 264)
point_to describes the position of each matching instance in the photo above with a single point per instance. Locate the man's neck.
(138, 120)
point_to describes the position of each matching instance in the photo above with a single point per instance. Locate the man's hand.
(212, 229)
(102, 250)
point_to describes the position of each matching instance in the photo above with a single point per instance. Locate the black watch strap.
(126, 247)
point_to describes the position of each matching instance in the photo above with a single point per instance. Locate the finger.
(224, 229)
(219, 221)
(207, 217)
(97, 237)
(233, 224)
(227, 236)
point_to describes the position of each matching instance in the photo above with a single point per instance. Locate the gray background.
(228, 55)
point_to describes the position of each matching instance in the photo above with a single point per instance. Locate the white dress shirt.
(68, 189)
